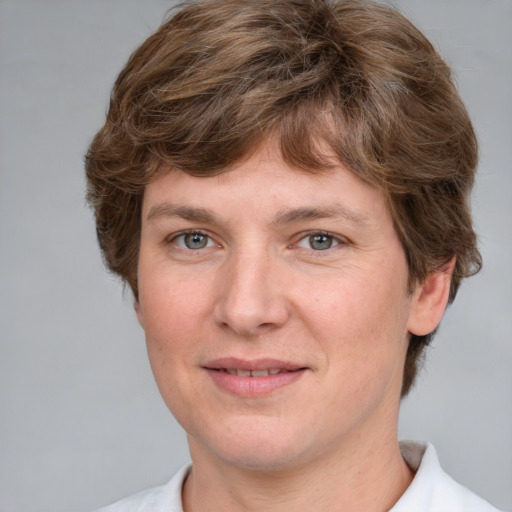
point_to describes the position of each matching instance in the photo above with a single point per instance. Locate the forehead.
(265, 184)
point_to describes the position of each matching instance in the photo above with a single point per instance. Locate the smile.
(253, 373)
(251, 379)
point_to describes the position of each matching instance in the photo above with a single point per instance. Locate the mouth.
(239, 372)
(255, 378)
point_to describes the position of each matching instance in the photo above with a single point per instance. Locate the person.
(285, 187)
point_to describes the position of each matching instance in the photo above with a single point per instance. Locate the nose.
(251, 298)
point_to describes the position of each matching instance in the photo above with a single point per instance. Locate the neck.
(369, 478)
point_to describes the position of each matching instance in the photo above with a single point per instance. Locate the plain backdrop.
(81, 421)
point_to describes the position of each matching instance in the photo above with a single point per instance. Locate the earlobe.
(430, 300)
(138, 312)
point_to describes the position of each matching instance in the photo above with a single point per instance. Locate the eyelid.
(340, 240)
(171, 239)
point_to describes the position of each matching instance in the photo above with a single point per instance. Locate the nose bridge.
(251, 298)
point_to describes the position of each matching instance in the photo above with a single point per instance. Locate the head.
(220, 78)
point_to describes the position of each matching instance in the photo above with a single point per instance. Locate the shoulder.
(166, 498)
(432, 490)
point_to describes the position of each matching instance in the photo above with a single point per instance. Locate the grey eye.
(321, 242)
(193, 241)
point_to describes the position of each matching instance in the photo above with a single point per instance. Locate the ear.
(430, 299)
(138, 311)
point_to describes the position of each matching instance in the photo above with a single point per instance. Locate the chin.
(261, 459)
(254, 447)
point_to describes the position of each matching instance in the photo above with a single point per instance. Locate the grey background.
(81, 422)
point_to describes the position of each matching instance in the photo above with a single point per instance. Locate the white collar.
(432, 490)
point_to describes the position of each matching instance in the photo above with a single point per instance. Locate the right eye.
(193, 241)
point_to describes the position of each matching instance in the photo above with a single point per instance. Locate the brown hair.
(220, 76)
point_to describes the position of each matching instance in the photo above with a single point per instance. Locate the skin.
(262, 288)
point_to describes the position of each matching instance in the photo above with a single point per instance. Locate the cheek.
(172, 339)
(350, 306)
(173, 320)
(361, 324)
(171, 304)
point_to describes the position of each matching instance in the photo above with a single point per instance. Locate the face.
(276, 311)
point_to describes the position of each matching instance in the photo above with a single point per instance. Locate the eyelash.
(174, 239)
(334, 239)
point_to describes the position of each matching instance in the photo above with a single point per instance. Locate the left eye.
(318, 242)
(194, 241)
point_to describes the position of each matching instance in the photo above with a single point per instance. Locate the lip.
(249, 386)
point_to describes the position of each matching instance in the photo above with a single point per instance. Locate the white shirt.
(431, 490)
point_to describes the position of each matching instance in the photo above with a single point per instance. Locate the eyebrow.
(287, 216)
(301, 214)
(191, 214)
